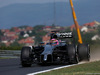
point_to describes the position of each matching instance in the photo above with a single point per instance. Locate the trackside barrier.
(10, 53)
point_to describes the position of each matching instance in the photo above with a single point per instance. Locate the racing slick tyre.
(26, 60)
(83, 52)
(72, 54)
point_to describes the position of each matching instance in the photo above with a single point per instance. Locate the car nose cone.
(45, 57)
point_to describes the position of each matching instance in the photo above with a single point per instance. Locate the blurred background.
(29, 22)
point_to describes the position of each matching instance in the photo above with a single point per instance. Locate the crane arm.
(76, 23)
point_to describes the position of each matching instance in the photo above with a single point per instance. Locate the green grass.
(4, 58)
(92, 68)
(94, 47)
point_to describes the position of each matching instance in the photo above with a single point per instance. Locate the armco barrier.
(10, 53)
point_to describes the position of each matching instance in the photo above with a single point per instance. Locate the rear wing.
(64, 35)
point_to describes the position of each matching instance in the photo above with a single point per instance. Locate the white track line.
(54, 69)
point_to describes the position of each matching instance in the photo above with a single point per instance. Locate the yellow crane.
(76, 23)
(83, 49)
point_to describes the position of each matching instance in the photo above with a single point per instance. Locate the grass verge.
(94, 47)
(4, 58)
(92, 68)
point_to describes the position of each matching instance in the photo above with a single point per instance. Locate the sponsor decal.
(65, 35)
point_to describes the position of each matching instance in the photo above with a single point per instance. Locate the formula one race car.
(63, 52)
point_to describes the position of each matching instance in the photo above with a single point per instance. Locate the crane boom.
(76, 23)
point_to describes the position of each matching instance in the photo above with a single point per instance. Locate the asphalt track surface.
(13, 67)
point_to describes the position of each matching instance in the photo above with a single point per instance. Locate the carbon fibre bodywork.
(51, 54)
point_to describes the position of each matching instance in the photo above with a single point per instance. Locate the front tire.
(72, 54)
(26, 60)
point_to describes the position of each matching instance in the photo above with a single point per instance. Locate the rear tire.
(83, 52)
(26, 60)
(72, 54)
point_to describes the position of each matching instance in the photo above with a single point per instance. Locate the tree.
(38, 27)
(33, 33)
(1, 34)
(15, 44)
(2, 44)
(68, 29)
(98, 30)
(38, 36)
